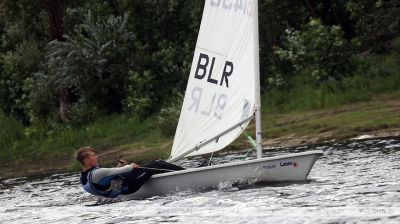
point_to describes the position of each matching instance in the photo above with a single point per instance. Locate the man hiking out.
(123, 179)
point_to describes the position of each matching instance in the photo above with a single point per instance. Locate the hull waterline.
(291, 167)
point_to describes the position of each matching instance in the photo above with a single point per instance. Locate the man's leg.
(134, 180)
(161, 164)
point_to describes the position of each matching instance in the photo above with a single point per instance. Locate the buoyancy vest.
(90, 188)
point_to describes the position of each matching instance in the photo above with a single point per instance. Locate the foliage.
(133, 57)
(139, 100)
(11, 131)
(376, 75)
(169, 116)
(22, 34)
(17, 67)
(318, 50)
(375, 21)
(166, 32)
(92, 63)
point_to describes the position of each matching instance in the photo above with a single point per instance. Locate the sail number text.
(204, 71)
(213, 108)
(243, 6)
(203, 64)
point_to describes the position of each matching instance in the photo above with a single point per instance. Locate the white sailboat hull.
(291, 167)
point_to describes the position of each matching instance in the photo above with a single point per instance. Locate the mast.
(257, 81)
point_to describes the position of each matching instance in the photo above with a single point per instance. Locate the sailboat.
(222, 97)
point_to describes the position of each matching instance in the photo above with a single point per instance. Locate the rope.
(209, 161)
(252, 144)
(149, 168)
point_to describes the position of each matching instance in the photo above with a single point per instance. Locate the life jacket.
(90, 188)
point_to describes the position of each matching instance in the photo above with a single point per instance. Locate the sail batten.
(221, 84)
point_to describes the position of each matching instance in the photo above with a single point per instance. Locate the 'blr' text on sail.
(204, 71)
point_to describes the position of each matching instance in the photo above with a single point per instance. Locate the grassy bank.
(105, 133)
(302, 114)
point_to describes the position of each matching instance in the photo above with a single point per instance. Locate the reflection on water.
(352, 182)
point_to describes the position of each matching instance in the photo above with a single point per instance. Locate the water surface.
(353, 182)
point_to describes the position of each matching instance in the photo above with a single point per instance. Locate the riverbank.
(377, 118)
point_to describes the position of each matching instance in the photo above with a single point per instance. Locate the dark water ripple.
(353, 182)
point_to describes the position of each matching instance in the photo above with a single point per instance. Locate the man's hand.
(121, 162)
(134, 165)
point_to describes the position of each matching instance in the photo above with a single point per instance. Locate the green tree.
(22, 36)
(275, 17)
(376, 21)
(92, 63)
(167, 33)
(17, 67)
(317, 50)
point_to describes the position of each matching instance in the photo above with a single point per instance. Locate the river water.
(353, 182)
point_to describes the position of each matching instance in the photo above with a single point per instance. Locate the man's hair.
(82, 153)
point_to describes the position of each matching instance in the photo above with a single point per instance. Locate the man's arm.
(107, 174)
(122, 162)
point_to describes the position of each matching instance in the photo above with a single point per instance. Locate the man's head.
(86, 156)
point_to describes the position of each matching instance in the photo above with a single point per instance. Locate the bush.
(11, 130)
(375, 22)
(169, 117)
(92, 64)
(15, 69)
(318, 51)
(82, 112)
(140, 99)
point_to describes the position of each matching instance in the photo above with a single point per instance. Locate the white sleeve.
(100, 173)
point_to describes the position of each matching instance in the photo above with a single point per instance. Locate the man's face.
(91, 159)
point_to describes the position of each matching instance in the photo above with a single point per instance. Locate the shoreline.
(377, 118)
(287, 141)
(50, 166)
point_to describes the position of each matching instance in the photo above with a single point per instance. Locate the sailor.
(123, 179)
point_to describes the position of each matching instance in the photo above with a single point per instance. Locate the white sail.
(221, 85)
